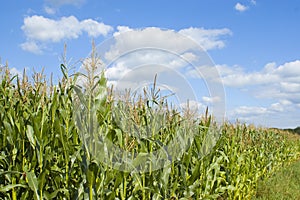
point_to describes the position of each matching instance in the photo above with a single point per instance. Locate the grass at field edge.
(283, 184)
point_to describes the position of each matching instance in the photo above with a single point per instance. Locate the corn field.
(44, 155)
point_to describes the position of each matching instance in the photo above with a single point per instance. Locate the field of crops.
(46, 153)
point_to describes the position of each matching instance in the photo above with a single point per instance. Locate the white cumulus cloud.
(44, 29)
(286, 75)
(32, 47)
(168, 39)
(166, 50)
(128, 39)
(39, 29)
(240, 7)
(278, 83)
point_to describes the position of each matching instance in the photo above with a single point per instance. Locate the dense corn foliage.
(43, 155)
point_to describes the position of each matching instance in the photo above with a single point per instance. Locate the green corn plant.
(91, 115)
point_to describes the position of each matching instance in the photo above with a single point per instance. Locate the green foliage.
(44, 155)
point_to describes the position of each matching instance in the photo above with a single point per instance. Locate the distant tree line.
(295, 130)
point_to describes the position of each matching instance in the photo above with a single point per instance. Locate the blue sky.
(254, 45)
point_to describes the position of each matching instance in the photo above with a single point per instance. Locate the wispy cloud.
(49, 10)
(210, 99)
(267, 115)
(207, 38)
(15, 72)
(240, 7)
(246, 111)
(253, 2)
(58, 3)
(39, 30)
(52, 6)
